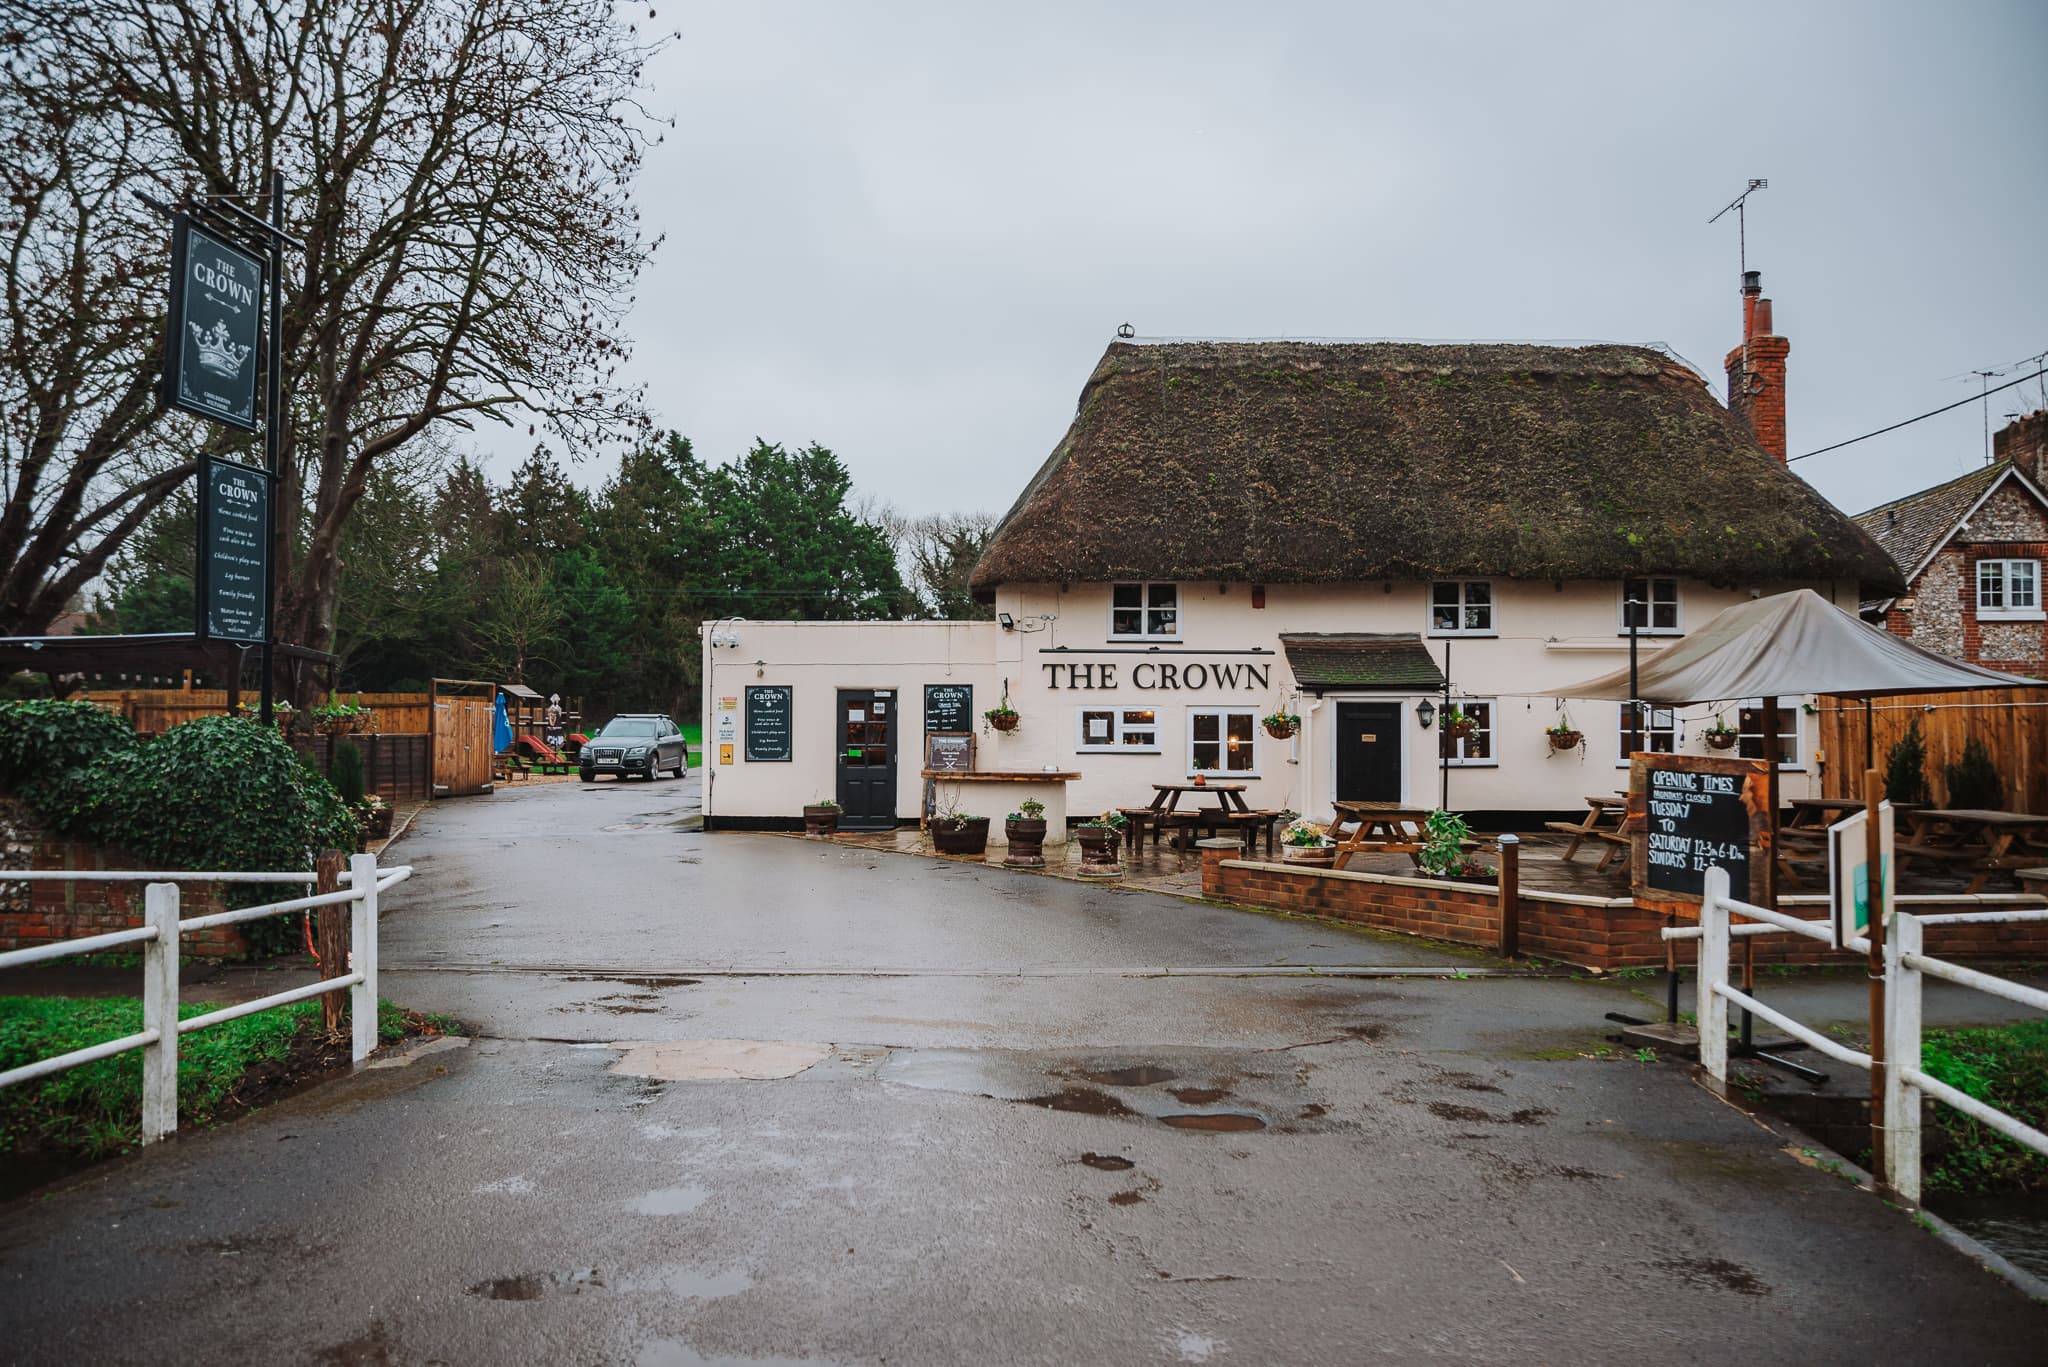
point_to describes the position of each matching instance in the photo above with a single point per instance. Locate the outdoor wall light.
(1425, 712)
(1006, 621)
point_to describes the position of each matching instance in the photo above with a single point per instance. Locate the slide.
(539, 749)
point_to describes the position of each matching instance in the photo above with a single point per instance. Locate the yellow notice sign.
(725, 754)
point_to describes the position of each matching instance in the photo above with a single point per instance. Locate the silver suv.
(645, 743)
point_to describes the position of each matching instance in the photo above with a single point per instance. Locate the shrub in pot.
(821, 817)
(1099, 839)
(1281, 725)
(1025, 830)
(1443, 850)
(957, 834)
(1720, 736)
(1303, 842)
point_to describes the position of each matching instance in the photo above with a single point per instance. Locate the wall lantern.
(1006, 621)
(1425, 712)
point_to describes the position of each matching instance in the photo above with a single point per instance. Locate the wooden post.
(1873, 859)
(332, 942)
(1510, 895)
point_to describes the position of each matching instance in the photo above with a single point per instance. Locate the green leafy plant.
(1443, 847)
(1718, 727)
(1303, 834)
(1002, 712)
(345, 772)
(1974, 780)
(44, 741)
(2002, 1066)
(825, 802)
(1031, 808)
(1112, 820)
(1905, 768)
(1281, 721)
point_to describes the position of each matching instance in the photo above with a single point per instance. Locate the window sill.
(1999, 615)
(1460, 635)
(1652, 631)
(1143, 640)
(1471, 764)
(1118, 750)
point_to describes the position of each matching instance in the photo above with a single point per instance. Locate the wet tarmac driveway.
(748, 1099)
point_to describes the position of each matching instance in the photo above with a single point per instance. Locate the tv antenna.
(1741, 218)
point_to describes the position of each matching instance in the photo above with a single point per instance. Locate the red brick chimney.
(2024, 442)
(1756, 370)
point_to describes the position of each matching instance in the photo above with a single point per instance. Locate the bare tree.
(460, 175)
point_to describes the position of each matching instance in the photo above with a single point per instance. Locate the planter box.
(1098, 851)
(1026, 844)
(821, 821)
(970, 837)
(1309, 856)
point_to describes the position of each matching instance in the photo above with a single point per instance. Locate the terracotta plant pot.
(1309, 856)
(1027, 843)
(1565, 740)
(1098, 851)
(1721, 740)
(1006, 721)
(1281, 730)
(821, 821)
(967, 837)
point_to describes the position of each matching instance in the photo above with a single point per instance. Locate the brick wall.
(42, 912)
(2011, 525)
(1596, 933)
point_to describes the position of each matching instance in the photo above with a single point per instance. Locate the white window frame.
(1145, 609)
(1788, 706)
(1492, 627)
(2007, 611)
(1458, 759)
(1115, 745)
(1223, 738)
(1677, 627)
(1658, 721)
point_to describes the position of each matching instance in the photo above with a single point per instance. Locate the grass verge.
(95, 1110)
(2002, 1066)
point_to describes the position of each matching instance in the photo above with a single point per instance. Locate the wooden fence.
(156, 710)
(2013, 724)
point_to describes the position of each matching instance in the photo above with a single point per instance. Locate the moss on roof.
(1296, 462)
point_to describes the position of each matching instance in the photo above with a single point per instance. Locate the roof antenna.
(1741, 219)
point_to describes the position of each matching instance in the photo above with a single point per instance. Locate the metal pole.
(1444, 739)
(1873, 862)
(1510, 896)
(273, 436)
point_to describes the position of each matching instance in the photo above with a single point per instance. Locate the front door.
(1368, 752)
(867, 759)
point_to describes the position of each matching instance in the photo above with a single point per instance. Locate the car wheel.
(590, 775)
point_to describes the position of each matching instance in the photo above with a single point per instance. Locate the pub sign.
(216, 327)
(234, 550)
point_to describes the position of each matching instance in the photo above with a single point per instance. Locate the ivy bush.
(1973, 780)
(213, 793)
(44, 742)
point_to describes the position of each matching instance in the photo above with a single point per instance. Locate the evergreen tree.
(1905, 768)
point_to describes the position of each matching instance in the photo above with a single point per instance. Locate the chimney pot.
(1763, 319)
(1752, 282)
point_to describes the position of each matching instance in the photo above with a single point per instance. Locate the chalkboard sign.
(948, 707)
(1697, 814)
(768, 733)
(234, 550)
(950, 751)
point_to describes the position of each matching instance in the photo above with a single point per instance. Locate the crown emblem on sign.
(217, 352)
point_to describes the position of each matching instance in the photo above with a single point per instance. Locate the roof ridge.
(1995, 469)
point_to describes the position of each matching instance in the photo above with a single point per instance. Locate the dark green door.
(1368, 752)
(867, 759)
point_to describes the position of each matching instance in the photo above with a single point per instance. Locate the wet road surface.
(879, 1108)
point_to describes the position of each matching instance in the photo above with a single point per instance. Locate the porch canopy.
(1795, 642)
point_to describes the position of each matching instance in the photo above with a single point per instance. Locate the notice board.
(768, 725)
(234, 550)
(951, 751)
(948, 707)
(1694, 813)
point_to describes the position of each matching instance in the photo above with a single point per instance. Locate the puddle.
(1127, 1198)
(1313, 1111)
(1215, 1122)
(533, 1286)
(1139, 1075)
(1198, 1096)
(1528, 1115)
(2013, 1224)
(1107, 1162)
(1715, 1272)
(671, 1201)
(510, 1289)
(717, 1059)
(1082, 1100)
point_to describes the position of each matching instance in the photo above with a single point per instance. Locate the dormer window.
(1144, 612)
(2009, 590)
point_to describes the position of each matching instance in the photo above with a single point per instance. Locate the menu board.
(768, 726)
(948, 707)
(950, 751)
(234, 550)
(1697, 814)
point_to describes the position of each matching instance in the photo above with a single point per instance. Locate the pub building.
(1361, 535)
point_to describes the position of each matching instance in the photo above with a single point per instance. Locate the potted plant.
(338, 717)
(1025, 830)
(1002, 716)
(1563, 735)
(1457, 723)
(377, 816)
(1280, 725)
(1099, 839)
(1443, 850)
(1720, 735)
(821, 818)
(1303, 842)
(958, 833)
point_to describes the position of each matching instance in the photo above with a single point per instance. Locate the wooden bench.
(1137, 820)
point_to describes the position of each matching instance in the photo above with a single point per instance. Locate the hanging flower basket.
(1281, 725)
(1721, 740)
(1002, 721)
(1564, 740)
(1460, 728)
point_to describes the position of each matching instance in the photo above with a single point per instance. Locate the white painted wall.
(1546, 636)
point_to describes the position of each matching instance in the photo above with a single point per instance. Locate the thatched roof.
(1297, 462)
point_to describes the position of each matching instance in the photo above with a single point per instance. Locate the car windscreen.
(634, 728)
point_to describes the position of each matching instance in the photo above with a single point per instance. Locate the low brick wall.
(41, 912)
(1592, 932)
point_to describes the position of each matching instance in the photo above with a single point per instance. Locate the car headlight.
(637, 752)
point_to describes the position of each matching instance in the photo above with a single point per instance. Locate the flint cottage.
(1366, 538)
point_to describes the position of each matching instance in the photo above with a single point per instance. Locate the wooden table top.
(1981, 816)
(1356, 810)
(1200, 787)
(1828, 804)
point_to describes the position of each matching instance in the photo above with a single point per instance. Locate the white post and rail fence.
(158, 937)
(1895, 1122)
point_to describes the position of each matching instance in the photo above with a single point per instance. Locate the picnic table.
(1819, 813)
(1979, 840)
(1383, 828)
(1230, 805)
(1606, 814)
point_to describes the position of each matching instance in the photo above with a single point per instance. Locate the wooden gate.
(462, 745)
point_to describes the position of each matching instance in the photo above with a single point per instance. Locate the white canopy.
(1795, 642)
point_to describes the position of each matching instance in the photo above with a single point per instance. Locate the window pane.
(1443, 619)
(1479, 745)
(1161, 622)
(1164, 595)
(1141, 739)
(878, 757)
(1144, 718)
(1206, 753)
(1991, 584)
(1243, 748)
(2020, 583)
(1478, 593)
(1478, 617)
(1207, 726)
(1126, 595)
(1096, 728)
(1664, 616)
(1126, 622)
(1444, 595)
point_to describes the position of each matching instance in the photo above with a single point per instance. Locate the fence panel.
(2012, 723)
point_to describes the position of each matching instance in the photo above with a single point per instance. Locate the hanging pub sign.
(216, 326)
(234, 550)
(1691, 813)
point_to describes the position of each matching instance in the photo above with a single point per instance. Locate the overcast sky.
(908, 231)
